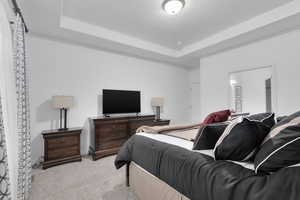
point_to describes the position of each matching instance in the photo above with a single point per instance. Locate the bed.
(148, 187)
(165, 167)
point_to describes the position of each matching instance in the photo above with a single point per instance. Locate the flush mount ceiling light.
(172, 7)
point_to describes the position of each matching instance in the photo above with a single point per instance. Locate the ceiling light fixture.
(172, 7)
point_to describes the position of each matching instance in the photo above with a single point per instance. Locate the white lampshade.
(62, 101)
(157, 101)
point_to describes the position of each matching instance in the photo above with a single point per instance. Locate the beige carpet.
(86, 180)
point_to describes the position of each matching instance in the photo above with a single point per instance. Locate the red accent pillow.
(220, 116)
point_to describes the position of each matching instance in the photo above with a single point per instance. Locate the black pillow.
(281, 147)
(208, 135)
(267, 118)
(240, 140)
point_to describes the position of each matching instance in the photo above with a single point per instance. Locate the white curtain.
(8, 139)
(23, 130)
(4, 175)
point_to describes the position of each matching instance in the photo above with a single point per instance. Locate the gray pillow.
(281, 147)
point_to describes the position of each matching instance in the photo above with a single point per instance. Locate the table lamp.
(62, 103)
(157, 102)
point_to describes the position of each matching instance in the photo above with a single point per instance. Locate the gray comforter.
(200, 177)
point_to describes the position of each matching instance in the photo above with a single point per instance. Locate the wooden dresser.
(109, 133)
(61, 146)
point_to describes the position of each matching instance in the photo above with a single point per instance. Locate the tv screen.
(121, 101)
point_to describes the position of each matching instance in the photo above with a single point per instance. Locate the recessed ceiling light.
(172, 7)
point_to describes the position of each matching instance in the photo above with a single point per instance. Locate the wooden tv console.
(109, 133)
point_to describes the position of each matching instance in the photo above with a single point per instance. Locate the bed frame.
(148, 187)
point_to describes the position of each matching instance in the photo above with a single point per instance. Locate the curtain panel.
(4, 177)
(23, 123)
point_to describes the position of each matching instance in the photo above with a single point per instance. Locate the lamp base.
(157, 115)
(63, 118)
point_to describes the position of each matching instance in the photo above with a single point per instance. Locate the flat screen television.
(121, 101)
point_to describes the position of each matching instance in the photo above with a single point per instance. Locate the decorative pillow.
(208, 135)
(220, 116)
(240, 140)
(267, 118)
(281, 147)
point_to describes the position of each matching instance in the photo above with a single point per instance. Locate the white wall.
(281, 51)
(57, 68)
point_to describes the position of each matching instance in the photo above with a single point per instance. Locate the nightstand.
(61, 146)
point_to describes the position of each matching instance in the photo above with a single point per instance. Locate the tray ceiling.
(141, 28)
(147, 20)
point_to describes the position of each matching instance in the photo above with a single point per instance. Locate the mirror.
(252, 91)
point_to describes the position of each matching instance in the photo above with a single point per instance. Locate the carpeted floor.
(86, 180)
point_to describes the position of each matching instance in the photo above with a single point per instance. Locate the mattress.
(188, 145)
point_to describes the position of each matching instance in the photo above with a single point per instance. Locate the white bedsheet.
(169, 139)
(188, 145)
(210, 152)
